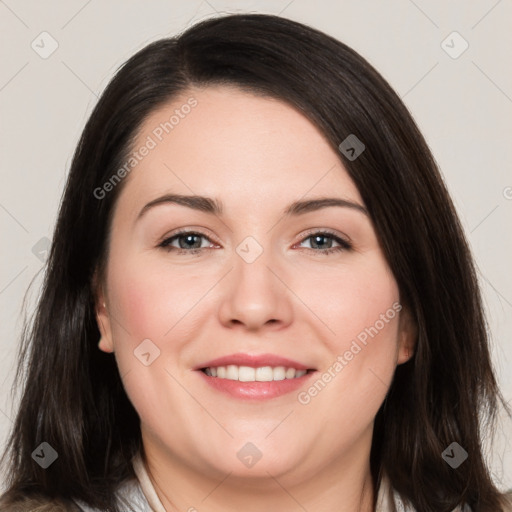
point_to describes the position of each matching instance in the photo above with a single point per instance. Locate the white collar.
(146, 485)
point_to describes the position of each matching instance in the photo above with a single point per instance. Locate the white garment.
(139, 495)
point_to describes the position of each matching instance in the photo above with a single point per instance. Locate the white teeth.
(279, 373)
(250, 374)
(290, 373)
(232, 372)
(264, 374)
(246, 374)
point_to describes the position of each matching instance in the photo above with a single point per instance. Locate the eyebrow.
(214, 206)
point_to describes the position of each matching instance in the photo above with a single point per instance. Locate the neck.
(341, 486)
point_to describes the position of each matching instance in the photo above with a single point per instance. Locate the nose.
(255, 294)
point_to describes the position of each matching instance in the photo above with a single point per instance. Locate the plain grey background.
(449, 61)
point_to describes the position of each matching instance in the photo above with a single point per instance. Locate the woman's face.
(263, 283)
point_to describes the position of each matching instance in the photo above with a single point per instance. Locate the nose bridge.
(254, 295)
(252, 273)
(250, 249)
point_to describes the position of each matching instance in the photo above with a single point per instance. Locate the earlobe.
(105, 342)
(105, 345)
(407, 334)
(404, 355)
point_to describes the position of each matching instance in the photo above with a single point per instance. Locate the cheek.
(147, 304)
(360, 307)
(367, 325)
(352, 298)
(151, 299)
(157, 303)
(351, 388)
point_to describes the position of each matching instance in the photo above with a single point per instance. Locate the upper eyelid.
(344, 238)
(188, 232)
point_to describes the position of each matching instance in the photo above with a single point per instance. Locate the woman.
(252, 371)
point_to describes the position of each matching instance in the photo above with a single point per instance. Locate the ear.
(103, 318)
(407, 336)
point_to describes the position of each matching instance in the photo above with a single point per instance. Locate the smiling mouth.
(251, 374)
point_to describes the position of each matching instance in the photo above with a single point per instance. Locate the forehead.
(250, 150)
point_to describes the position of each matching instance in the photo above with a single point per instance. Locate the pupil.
(317, 237)
(189, 238)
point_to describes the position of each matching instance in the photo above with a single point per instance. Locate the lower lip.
(255, 390)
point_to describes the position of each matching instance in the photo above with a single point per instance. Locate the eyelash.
(344, 245)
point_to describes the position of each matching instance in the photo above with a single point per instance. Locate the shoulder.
(389, 500)
(38, 505)
(129, 496)
(507, 501)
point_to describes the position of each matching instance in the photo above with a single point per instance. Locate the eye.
(187, 242)
(318, 240)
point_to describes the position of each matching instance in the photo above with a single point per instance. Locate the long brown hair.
(73, 397)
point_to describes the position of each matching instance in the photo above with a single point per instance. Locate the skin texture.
(256, 155)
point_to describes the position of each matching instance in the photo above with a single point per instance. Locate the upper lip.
(254, 361)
